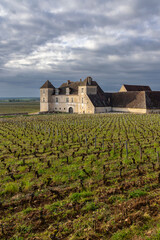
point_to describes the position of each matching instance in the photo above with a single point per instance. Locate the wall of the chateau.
(82, 106)
(82, 99)
(62, 103)
(45, 99)
(89, 108)
(85, 105)
(131, 110)
(44, 107)
(122, 89)
(80, 103)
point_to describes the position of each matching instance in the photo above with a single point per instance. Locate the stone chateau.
(87, 97)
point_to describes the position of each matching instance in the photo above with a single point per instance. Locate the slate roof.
(133, 99)
(153, 100)
(99, 99)
(72, 85)
(47, 84)
(137, 88)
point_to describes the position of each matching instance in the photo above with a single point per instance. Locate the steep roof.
(137, 88)
(153, 100)
(133, 99)
(99, 99)
(47, 84)
(72, 85)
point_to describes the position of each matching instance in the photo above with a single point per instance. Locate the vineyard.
(19, 107)
(76, 177)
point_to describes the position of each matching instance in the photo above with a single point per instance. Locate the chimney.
(89, 80)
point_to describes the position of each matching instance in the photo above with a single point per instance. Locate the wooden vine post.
(126, 149)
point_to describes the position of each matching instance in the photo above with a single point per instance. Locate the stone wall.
(60, 104)
(129, 110)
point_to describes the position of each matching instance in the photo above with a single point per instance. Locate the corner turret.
(46, 92)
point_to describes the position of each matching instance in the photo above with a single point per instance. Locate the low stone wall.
(129, 110)
(13, 114)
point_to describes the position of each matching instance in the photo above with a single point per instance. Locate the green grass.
(75, 197)
(124, 234)
(137, 193)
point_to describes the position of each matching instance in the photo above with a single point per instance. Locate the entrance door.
(70, 110)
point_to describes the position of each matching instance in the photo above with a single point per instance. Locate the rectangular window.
(72, 99)
(43, 91)
(67, 91)
(82, 100)
(59, 108)
(57, 91)
(43, 99)
(56, 99)
(67, 100)
(82, 89)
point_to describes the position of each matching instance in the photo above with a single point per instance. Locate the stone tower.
(46, 92)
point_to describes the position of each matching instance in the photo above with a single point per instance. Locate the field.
(80, 177)
(19, 107)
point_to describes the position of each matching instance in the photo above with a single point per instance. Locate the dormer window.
(67, 91)
(57, 91)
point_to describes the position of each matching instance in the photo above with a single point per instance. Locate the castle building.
(87, 97)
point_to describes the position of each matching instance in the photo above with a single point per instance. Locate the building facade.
(87, 97)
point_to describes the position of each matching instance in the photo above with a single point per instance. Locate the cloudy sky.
(113, 41)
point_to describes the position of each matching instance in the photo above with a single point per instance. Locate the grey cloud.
(113, 41)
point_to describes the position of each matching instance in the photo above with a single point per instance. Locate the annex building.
(87, 97)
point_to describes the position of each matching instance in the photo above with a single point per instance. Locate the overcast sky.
(113, 41)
